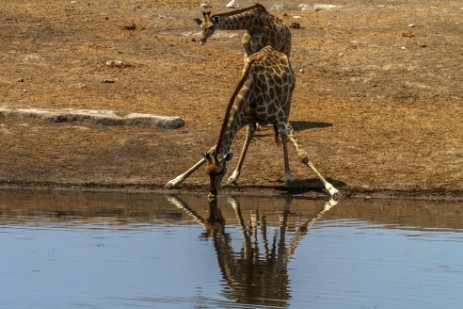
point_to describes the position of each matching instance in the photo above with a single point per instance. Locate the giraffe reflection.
(258, 272)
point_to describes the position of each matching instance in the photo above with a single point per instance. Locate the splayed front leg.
(177, 181)
(236, 173)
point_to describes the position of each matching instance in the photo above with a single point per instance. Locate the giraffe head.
(207, 25)
(216, 169)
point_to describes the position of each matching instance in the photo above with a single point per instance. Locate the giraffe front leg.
(236, 173)
(177, 181)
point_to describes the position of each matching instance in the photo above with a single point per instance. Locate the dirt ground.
(378, 101)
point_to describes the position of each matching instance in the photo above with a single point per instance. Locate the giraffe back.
(273, 82)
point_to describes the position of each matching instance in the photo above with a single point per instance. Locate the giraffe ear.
(198, 21)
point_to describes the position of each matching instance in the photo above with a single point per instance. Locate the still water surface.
(76, 250)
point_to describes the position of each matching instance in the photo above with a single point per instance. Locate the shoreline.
(250, 191)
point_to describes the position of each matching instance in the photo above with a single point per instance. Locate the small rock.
(305, 7)
(232, 4)
(301, 71)
(205, 6)
(403, 48)
(115, 63)
(408, 34)
(129, 27)
(108, 81)
(295, 25)
(20, 80)
(319, 7)
(79, 85)
(411, 25)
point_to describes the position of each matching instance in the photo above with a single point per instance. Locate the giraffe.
(262, 28)
(263, 96)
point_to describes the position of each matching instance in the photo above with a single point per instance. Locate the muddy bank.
(377, 105)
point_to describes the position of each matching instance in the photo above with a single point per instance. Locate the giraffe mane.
(256, 6)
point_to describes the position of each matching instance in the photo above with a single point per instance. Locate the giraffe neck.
(232, 124)
(244, 19)
(234, 115)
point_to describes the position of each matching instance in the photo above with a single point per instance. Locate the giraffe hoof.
(334, 193)
(231, 181)
(288, 182)
(172, 184)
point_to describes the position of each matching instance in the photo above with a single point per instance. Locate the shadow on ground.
(305, 125)
(309, 185)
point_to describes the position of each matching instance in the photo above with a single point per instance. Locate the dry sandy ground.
(378, 102)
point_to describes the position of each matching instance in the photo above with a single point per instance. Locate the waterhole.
(114, 250)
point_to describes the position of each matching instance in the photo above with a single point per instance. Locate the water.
(87, 250)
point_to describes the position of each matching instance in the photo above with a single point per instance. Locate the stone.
(95, 117)
(278, 7)
(232, 4)
(79, 85)
(115, 63)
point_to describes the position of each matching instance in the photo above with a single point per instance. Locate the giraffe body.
(263, 96)
(262, 28)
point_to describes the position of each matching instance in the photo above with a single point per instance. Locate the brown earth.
(378, 101)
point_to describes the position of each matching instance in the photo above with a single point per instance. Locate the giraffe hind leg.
(304, 158)
(277, 135)
(284, 141)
